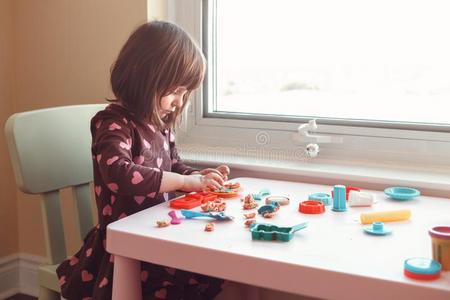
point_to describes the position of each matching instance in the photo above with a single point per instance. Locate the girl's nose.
(178, 102)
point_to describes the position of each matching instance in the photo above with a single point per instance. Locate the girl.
(136, 162)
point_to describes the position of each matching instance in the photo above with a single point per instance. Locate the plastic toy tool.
(378, 228)
(422, 268)
(261, 194)
(188, 214)
(385, 216)
(401, 193)
(339, 199)
(269, 232)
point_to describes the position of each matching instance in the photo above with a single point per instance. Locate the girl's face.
(172, 101)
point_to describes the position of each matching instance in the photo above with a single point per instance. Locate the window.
(375, 72)
(349, 59)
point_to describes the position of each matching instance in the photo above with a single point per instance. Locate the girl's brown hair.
(157, 58)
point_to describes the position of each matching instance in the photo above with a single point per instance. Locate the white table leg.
(127, 279)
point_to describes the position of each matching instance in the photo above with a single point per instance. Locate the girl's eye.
(179, 91)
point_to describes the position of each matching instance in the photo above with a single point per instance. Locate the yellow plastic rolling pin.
(385, 216)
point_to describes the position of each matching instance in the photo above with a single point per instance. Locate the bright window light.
(385, 60)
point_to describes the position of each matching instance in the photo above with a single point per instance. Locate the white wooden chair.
(50, 150)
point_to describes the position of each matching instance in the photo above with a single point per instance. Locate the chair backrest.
(50, 150)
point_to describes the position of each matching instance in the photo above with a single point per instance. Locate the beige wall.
(9, 241)
(62, 51)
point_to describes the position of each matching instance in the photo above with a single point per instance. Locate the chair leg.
(47, 294)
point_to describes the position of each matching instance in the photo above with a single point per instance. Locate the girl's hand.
(198, 182)
(222, 170)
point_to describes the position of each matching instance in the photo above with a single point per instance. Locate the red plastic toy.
(192, 200)
(311, 207)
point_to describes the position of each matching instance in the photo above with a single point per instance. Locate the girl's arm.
(190, 183)
(112, 149)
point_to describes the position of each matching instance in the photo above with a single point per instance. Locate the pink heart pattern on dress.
(98, 157)
(88, 252)
(73, 261)
(159, 161)
(152, 128)
(122, 215)
(161, 293)
(113, 199)
(138, 159)
(114, 126)
(171, 271)
(98, 124)
(165, 146)
(139, 199)
(151, 195)
(146, 144)
(103, 283)
(167, 283)
(144, 276)
(107, 210)
(86, 276)
(125, 121)
(113, 187)
(62, 280)
(98, 190)
(111, 160)
(125, 145)
(137, 178)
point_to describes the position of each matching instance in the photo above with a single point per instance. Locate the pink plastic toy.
(175, 219)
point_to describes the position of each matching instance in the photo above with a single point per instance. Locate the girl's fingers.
(210, 170)
(223, 169)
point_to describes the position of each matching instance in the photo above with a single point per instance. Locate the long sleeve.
(178, 165)
(121, 169)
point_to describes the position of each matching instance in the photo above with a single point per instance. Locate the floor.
(21, 297)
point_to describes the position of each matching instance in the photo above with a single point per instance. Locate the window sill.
(431, 181)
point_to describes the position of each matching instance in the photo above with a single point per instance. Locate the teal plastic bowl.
(401, 193)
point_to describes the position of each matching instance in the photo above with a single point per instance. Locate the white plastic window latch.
(304, 135)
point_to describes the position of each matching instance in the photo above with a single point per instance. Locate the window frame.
(404, 144)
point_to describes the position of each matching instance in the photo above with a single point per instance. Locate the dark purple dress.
(129, 156)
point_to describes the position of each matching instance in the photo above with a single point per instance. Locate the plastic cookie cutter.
(192, 200)
(402, 193)
(261, 194)
(188, 214)
(322, 197)
(378, 228)
(282, 200)
(269, 232)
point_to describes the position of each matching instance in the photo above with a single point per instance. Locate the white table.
(331, 259)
